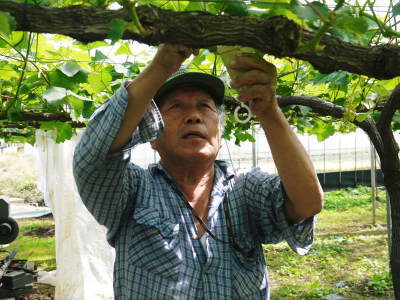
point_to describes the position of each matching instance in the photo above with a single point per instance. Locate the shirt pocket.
(155, 244)
(249, 269)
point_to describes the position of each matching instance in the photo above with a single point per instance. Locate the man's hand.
(169, 57)
(256, 85)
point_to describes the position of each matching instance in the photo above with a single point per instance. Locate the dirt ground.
(42, 232)
(44, 292)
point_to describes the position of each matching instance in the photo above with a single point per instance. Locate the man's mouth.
(193, 135)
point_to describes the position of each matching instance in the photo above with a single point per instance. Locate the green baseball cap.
(211, 84)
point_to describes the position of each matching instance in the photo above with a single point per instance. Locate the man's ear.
(153, 145)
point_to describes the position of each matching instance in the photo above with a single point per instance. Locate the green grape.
(228, 54)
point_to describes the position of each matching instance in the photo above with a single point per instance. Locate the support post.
(389, 224)
(373, 184)
(254, 146)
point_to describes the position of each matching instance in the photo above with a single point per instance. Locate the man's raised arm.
(257, 87)
(102, 178)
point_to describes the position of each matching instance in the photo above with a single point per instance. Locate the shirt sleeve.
(266, 210)
(107, 182)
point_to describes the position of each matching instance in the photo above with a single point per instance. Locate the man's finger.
(248, 93)
(254, 77)
(252, 61)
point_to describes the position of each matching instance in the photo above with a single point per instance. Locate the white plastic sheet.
(84, 258)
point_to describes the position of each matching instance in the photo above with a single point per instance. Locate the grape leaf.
(99, 81)
(353, 24)
(14, 114)
(54, 94)
(59, 79)
(236, 8)
(76, 104)
(63, 131)
(7, 23)
(124, 50)
(70, 68)
(79, 97)
(396, 9)
(99, 56)
(194, 6)
(88, 109)
(361, 116)
(322, 8)
(117, 27)
(96, 44)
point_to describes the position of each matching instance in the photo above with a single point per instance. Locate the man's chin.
(194, 156)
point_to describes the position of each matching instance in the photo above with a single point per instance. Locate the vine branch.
(30, 116)
(277, 35)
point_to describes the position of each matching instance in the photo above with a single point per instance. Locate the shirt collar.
(227, 170)
(224, 173)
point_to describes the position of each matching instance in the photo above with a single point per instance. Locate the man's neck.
(194, 179)
(190, 175)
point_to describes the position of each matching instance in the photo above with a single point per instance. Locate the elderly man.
(192, 227)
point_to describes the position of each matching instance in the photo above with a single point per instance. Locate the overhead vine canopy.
(343, 53)
(337, 65)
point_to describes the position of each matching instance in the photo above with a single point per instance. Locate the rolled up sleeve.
(107, 181)
(266, 210)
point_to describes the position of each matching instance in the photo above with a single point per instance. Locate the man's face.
(191, 126)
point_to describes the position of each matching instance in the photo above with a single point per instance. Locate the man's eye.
(175, 105)
(206, 105)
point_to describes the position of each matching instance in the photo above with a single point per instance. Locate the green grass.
(349, 198)
(349, 256)
(40, 251)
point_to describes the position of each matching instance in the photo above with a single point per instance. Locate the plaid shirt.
(158, 252)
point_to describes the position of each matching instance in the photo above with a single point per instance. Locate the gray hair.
(221, 117)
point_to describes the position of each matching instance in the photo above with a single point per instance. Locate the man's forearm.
(294, 167)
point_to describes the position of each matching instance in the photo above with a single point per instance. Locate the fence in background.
(341, 160)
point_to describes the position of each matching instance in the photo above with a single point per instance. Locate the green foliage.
(349, 198)
(7, 23)
(396, 9)
(62, 131)
(240, 131)
(117, 27)
(380, 283)
(54, 94)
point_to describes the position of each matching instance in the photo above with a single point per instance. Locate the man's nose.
(193, 116)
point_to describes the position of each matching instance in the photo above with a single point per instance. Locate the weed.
(380, 283)
(348, 198)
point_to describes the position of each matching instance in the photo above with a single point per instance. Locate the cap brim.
(211, 84)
